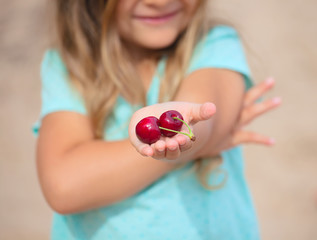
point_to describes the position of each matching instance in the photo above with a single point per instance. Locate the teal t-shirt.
(176, 206)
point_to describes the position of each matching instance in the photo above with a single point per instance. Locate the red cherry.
(171, 122)
(168, 120)
(147, 130)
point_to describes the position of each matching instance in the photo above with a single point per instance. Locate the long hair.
(90, 46)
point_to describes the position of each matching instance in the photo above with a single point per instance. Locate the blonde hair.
(90, 46)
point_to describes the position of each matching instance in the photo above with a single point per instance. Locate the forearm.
(226, 90)
(99, 173)
(203, 131)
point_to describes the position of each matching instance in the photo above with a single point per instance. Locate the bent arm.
(225, 89)
(78, 173)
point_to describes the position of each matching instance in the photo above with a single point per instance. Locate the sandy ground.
(282, 38)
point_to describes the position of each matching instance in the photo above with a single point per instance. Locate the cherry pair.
(150, 129)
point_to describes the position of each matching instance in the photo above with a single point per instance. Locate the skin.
(148, 24)
(73, 166)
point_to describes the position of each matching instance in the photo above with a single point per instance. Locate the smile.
(156, 20)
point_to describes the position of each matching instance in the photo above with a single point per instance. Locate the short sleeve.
(57, 92)
(221, 48)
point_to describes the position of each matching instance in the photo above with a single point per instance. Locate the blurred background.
(281, 39)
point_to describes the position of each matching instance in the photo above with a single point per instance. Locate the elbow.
(64, 206)
(65, 198)
(60, 206)
(58, 198)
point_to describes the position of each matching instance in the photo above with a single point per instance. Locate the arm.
(251, 110)
(222, 87)
(79, 173)
(226, 90)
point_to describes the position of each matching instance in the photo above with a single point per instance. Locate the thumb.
(201, 112)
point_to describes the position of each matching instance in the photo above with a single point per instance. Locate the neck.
(144, 61)
(139, 54)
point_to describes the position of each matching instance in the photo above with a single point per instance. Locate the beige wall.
(282, 36)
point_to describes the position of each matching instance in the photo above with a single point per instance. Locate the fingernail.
(181, 141)
(269, 81)
(272, 141)
(161, 150)
(276, 100)
(148, 152)
(173, 148)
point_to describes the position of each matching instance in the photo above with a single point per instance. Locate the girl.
(113, 64)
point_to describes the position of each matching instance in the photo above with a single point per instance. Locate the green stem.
(190, 135)
(190, 131)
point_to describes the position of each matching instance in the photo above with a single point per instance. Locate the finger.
(184, 142)
(159, 149)
(251, 137)
(201, 112)
(145, 150)
(255, 110)
(172, 149)
(258, 90)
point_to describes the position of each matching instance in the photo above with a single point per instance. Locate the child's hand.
(170, 148)
(250, 111)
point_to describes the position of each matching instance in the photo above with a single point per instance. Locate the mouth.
(156, 20)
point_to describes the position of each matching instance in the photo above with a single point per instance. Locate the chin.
(157, 42)
(158, 45)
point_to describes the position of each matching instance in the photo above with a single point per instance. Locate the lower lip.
(157, 20)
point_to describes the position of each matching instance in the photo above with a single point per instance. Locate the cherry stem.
(190, 135)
